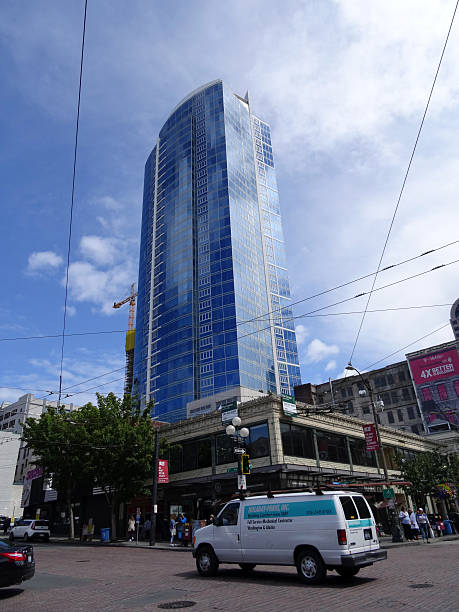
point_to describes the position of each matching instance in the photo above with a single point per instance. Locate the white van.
(314, 531)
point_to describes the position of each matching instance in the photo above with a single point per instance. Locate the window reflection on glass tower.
(213, 310)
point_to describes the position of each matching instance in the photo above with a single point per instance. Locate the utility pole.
(154, 492)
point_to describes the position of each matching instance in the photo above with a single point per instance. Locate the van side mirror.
(218, 521)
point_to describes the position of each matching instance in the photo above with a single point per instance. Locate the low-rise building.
(391, 385)
(10, 493)
(12, 418)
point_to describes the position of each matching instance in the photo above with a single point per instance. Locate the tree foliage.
(110, 445)
(426, 471)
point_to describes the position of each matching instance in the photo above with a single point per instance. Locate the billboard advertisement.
(436, 379)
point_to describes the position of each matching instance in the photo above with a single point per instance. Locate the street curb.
(67, 542)
(387, 545)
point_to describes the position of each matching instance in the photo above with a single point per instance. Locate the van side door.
(227, 534)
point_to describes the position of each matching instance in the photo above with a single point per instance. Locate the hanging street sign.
(229, 412)
(388, 493)
(241, 483)
(163, 471)
(289, 405)
(371, 439)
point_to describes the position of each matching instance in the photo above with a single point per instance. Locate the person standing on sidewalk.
(413, 524)
(424, 525)
(131, 528)
(404, 518)
(172, 529)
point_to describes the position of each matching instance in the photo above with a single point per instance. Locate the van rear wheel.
(310, 567)
(247, 567)
(206, 562)
(348, 572)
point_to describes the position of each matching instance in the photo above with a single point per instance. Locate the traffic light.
(245, 464)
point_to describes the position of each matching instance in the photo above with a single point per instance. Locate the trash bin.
(448, 528)
(105, 534)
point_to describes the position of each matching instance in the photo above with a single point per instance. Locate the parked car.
(30, 529)
(16, 564)
(4, 523)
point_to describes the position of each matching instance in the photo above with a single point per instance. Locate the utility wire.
(347, 283)
(73, 199)
(360, 295)
(403, 183)
(406, 346)
(123, 331)
(259, 317)
(304, 315)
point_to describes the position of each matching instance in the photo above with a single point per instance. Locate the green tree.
(122, 454)
(62, 450)
(425, 472)
(109, 445)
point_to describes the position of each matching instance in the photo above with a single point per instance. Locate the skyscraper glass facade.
(213, 310)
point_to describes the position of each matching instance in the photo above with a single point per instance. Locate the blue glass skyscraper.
(213, 310)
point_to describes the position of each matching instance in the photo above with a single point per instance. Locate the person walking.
(424, 525)
(413, 524)
(404, 518)
(131, 528)
(172, 529)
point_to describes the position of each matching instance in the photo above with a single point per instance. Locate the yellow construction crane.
(130, 338)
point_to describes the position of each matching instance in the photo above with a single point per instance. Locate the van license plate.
(367, 534)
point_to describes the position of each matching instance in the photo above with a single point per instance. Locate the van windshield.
(350, 511)
(362, 507)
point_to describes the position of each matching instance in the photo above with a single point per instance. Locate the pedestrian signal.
(245, 464)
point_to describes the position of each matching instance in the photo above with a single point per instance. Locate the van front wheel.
(348, 572)
(310, 567)
(206, 562)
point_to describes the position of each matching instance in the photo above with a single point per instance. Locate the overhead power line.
(403, 183)
(259, 317)
(351, 282)
(308, 313)
(73, 199)
(406, 346)
(327, 314)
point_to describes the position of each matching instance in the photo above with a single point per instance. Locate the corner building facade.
(213, 310)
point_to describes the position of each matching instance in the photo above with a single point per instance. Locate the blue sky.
(343, 85)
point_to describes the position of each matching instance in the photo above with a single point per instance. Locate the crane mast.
(130, 338)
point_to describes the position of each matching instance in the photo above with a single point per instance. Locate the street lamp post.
(396, 537)
(375, 419)
(238, 435)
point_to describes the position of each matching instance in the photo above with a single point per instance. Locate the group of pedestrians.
(177, 528)
(415, 523)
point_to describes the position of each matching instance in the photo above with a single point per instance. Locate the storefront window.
(297, 441)
(332, 447)
(360, 455)
(258, 443)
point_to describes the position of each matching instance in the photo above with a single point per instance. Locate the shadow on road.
(7, 593)
(273, 578)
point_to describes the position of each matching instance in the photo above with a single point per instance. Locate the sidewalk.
(385, 542)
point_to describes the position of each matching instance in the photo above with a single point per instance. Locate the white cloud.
(318, 351)
(100, 287)
(301, 334)
(331, 365)
(100, 250)
(43, 261)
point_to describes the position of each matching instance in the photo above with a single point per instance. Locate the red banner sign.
(163, 471)
(371, 438)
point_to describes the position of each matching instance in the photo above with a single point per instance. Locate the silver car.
(31, 529)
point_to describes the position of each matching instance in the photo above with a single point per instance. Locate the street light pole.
(396, 537)
(154, 492)
(375, 420)
(239, 435)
